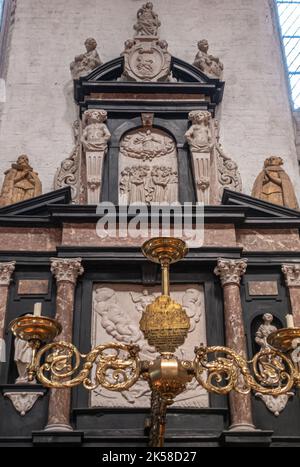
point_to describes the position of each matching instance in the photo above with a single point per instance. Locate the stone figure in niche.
(95, 137)
(68, 173)
(20, 183)
(147, 21)
(274, 185)
(210, 65)
(199, 137)
(113, 319)
(161, 177)
(84, 63)
(274, 404)
(22, 358)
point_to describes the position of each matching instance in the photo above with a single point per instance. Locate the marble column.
(291, 274)
(66, 272)
(230, 272)
(6, 271)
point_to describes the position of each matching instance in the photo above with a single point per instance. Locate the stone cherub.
(84, 63)
(274, 185)
(147, 21)
(210, 65)
(95, 135)
(199, 135)
(20, 182)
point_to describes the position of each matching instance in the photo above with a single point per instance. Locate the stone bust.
(210, 65)
(20, 182)
(84, 63)
(95, 135)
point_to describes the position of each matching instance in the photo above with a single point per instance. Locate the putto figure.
(84, 63)
(274, 185)
(210, 65)
(147, 21)
(20, 183)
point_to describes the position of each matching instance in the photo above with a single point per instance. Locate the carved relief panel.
(148, 170)
(117, 310)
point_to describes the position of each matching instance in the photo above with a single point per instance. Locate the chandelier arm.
(273, 372)
(114, 366)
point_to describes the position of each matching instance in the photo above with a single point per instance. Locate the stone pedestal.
(292, 280)
(202, 174)
(66, 272)
(230, 272)
(6, 271)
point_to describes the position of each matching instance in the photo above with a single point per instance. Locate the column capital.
(66, 269)
(291, 272)
(230, 270)
(6, 271)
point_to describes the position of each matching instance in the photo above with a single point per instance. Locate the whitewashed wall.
(256, 120)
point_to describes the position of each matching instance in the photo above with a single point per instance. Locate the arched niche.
(148, 167)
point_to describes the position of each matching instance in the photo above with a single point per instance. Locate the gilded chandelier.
(165, 324)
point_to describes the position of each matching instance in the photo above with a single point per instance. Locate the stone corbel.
(23, 401)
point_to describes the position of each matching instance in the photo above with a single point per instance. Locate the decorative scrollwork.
(272, 372)
(114, 366)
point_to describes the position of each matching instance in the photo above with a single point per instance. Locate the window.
(1, 10)
(289, 18)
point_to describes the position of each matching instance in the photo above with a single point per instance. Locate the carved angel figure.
(84, 63)
(142, 300)
(147, 21)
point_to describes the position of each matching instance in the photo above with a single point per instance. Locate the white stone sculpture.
(95, 137)
(146, 144)
(22, 358)
(210, 65)
(84, 63)
(275, 404)
(110, 322)
(199, 137)
(68, 174)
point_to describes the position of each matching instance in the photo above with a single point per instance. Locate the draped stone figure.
(95, 137)
(22, 358)
(199, 137)
(274, 404)
(147, 21)
(20, 183)
(84, 63)
(210, 65)
(274, 185)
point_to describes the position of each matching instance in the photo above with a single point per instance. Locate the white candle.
(290, 321)
(37, 311)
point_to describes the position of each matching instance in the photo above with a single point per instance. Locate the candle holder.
(117, 367)
(36, 330)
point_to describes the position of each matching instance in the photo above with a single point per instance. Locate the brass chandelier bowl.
(165, 324)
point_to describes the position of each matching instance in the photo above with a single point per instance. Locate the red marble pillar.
(230, 272)
(6, 271)
(291, 274)
(66, 272)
